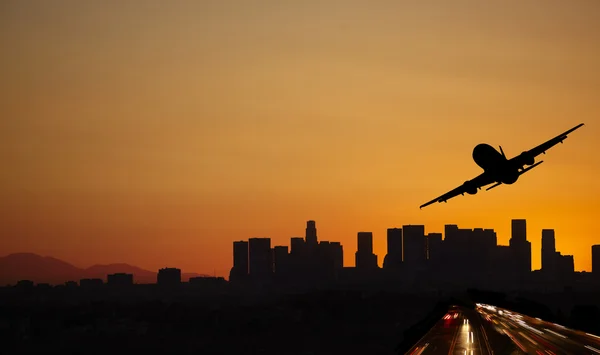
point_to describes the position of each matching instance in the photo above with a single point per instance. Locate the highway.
(491, 330)
(536, 336)
(459, 332)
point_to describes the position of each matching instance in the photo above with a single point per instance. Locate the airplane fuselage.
(496, 164)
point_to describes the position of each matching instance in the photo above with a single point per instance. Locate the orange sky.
(156, 133)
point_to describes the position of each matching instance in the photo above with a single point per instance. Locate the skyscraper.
(325, 261)
(260, 258)
(456, 249)
(434, 246)
(365, 242)
(415, 250)
(281, 260)
(567, 265)
(239, 271)
(394, 248)
(519, 229)
(520, 246)
(297, 256)
(596, 260)
(338, 255)
(240, 257)
(311, 234)
(365, 259)
(297, 245)
(548, 251)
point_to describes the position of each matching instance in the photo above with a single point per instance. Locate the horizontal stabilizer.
(491, 187)
(530, 167)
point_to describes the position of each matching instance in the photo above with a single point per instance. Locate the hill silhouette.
(139, 275)
(29, 266)
(46, 269)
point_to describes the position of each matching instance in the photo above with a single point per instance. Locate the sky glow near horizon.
(158, 133)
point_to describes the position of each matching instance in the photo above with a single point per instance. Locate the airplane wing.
(542, 148)
(476, 183)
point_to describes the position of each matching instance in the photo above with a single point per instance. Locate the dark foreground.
(328, 322)
(319, 322)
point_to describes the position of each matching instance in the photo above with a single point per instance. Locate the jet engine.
(510, 178)
(526, 158)
(470, 188)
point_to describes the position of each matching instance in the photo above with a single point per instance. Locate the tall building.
(485, 239)
(311, 234)
(548, 251)
(519, 229)
(338, 255)
(450, 232)
(324, 261)
(414, 245)
(456, 247)
(281, 262)
(596, 260)
(297, 245)
(467, 254)
(365, 242)
(567, 265)
(240, 261)
(168, 277)
(520, 246)
(260, 259)
(297, 256)
(555, 266)
(240, 256)
(394, 248)
(564, 265)
(365, 259)
(434, 246)
(503, 273)
(483, 242)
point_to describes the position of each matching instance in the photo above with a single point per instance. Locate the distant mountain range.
(46, 269)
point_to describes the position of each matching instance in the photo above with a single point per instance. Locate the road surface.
(535, 336)
(491, 330)
(459, 332)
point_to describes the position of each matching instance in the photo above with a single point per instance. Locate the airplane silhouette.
(498, 169)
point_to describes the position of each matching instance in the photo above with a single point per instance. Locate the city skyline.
(459, 256)
(397, 245)
(349, 250)
(157, 133)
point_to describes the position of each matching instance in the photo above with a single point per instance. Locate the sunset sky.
(158, 132)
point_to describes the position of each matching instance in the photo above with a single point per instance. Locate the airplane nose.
(479, 151)
(485, 155)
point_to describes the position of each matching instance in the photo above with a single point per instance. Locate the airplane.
(498, 169)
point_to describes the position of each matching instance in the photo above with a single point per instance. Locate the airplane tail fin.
(502, 151)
